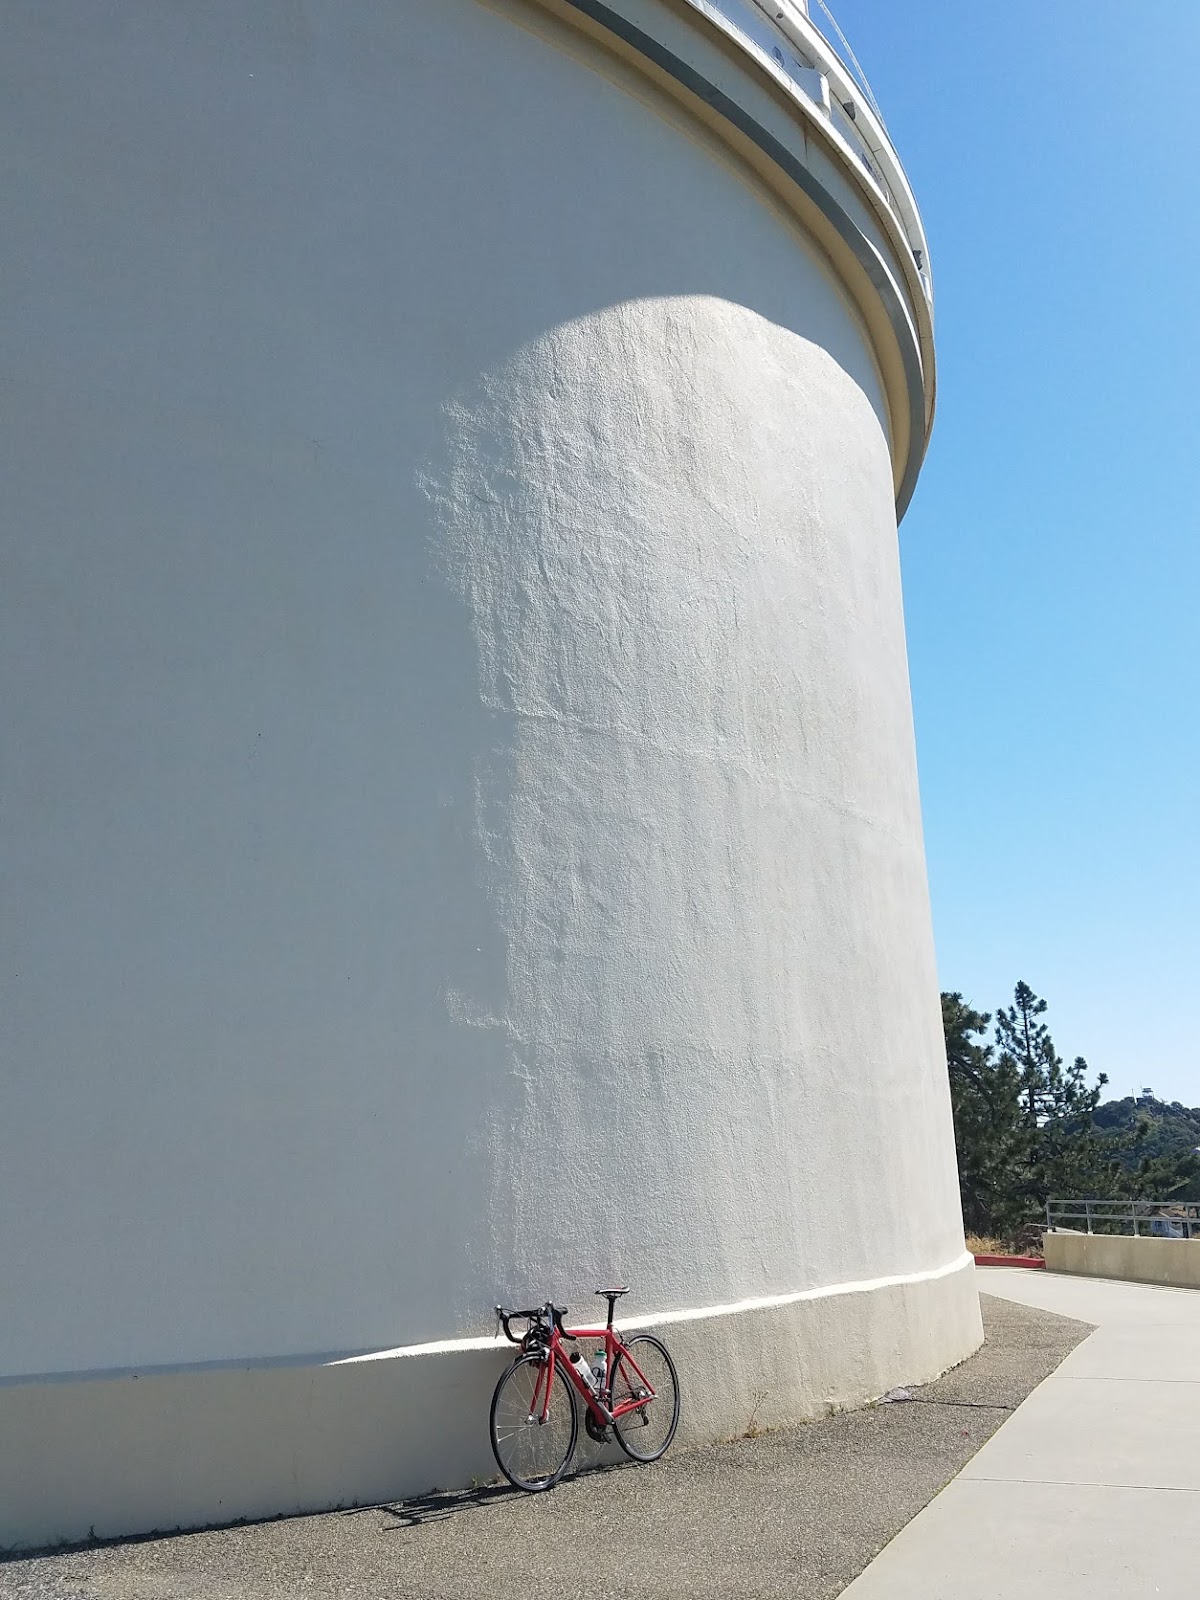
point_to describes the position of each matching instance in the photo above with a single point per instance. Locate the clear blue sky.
(1052, 551)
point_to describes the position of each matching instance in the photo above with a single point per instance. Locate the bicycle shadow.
(442, 1505)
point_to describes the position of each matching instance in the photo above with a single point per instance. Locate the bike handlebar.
(548, 1313)
(505, 1317)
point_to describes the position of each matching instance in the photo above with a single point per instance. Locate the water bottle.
(584, 1371)
(600, 1369)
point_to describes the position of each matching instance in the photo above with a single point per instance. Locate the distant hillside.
(1172, 1130)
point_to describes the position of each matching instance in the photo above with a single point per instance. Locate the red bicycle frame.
(598, 1404)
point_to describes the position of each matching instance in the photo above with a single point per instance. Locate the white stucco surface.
(460, 822)
(164, 1449)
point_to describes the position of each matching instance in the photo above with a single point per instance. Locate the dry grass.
(1027, 1243)
(986, 1247)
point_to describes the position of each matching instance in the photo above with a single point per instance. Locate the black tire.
(532, 1455)
(644, 1435)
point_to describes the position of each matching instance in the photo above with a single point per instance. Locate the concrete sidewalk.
(1092, 1488)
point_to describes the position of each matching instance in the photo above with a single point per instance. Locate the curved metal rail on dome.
(849, 59)
(787, 38)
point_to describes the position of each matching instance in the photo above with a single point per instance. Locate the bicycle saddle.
(611, 1294)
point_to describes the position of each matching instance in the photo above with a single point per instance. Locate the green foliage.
(1029, 1127)
(1156, 1145)
(1167, 1130)
(1048, 1090)
(1065, 1155)
(993, 1146)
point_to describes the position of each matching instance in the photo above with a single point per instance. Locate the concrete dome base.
(168, 1450)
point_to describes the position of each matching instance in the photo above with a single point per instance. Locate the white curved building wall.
(461, 826)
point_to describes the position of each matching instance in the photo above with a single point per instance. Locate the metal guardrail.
(1152, 1219)
(828, 23)
(795, 37)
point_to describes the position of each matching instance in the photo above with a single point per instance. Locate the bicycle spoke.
(645, 1371)
(533, 1454)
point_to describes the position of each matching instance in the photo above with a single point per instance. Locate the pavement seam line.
(1091, 1377)
(967, 1476)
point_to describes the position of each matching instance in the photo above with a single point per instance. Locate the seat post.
(612, 1296)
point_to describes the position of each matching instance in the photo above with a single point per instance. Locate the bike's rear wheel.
(645, 1433)
(532, 1454)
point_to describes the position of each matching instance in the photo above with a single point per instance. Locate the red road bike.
(634, 1392)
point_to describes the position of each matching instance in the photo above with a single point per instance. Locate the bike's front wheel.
(533, 1453)
(644, 1370)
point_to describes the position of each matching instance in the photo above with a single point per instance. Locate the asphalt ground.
(796, 1513)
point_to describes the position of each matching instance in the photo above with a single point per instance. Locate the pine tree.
(1027, 1129)
(1065, 1156)
(993, 1145)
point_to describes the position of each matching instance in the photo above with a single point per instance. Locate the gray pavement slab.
(1093, 1486)
(1110, 1431)
(1120, 1352)
(791, 1514)
(1004, 1541)
(1104, 1302)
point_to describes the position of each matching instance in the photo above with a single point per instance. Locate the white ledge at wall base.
(203, 1447)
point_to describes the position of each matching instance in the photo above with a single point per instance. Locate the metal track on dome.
(852, 62)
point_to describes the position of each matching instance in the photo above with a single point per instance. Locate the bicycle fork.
(546, 1378)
